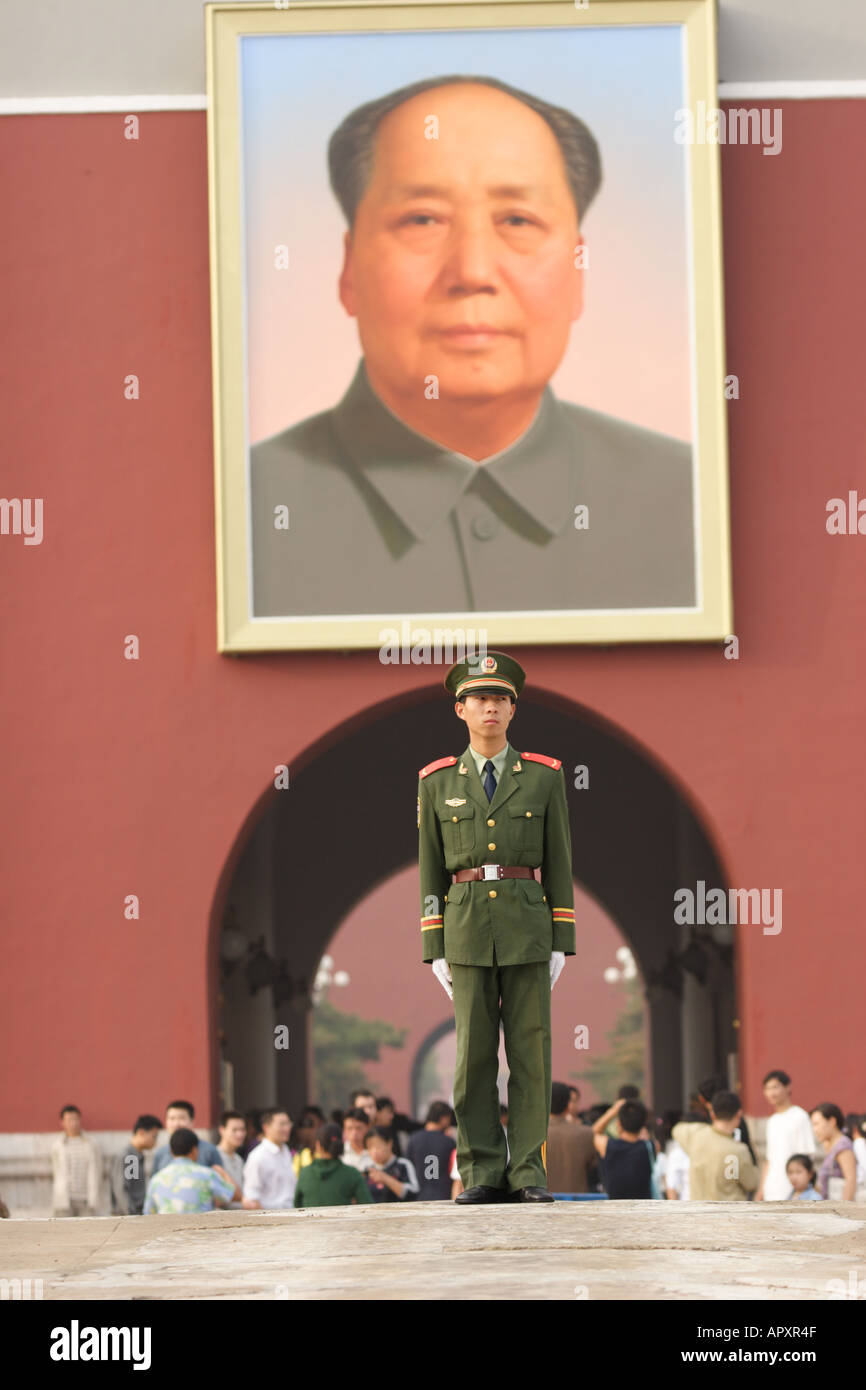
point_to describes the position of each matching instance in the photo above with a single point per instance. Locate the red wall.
(135, 777)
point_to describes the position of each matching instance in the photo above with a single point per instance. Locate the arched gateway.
(346, 823)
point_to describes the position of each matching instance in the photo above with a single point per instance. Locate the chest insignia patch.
(456, 801)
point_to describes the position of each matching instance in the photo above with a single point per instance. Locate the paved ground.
(622, 1250)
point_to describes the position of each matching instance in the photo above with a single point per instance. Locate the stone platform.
(563, 1250)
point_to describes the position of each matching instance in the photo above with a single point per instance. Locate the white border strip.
(792, 90)
(73, 106)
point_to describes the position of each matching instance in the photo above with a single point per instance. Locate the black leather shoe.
(532, 1194)
(481, 1194)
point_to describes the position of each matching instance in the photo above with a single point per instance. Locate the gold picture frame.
(239, 627)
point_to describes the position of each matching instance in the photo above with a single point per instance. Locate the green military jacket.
(526, 823)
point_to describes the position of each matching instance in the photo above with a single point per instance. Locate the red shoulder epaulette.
(555, 763)
(434, 767)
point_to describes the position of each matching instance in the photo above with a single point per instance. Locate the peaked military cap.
(491, 671)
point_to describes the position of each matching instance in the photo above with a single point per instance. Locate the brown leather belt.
(491, 871)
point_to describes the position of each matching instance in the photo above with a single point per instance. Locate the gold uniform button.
(491, 822)
(492, 893)
(543, 898)
(454, 818)
(529, 813)
(491, 846)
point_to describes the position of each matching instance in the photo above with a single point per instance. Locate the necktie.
(488, 781)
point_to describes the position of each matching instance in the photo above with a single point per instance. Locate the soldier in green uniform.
(496, 937)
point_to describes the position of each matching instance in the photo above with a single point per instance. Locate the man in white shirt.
(269, 1174)
(676, 1173)
(77, 1169)
(789, 1131)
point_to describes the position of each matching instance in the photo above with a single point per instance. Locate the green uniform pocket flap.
(533, 891)
(457, 892)
(527, 810)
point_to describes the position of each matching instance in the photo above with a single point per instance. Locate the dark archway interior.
(348, 822)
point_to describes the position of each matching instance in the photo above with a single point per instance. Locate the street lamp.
(326, 975)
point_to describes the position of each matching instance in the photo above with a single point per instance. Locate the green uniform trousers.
(519, 996)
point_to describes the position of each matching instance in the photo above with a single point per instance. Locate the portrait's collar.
(422, 481)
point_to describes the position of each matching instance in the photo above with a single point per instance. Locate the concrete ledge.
(431, 1250)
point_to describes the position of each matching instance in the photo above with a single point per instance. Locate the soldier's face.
(460, 265)
(486, 716)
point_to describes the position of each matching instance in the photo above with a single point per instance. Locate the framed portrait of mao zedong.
(467, 322)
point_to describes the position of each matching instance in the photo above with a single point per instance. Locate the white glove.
(557, 961)
(443, 975)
